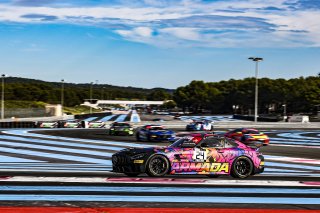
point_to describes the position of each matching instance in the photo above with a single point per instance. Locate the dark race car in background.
(120, 128)
(155, 133)
(196, 154)
(248, 136)
(200, 126)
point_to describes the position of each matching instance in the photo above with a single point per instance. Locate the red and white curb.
(164, 181)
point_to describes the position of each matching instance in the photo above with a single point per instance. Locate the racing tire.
(157, 166)
(132, 174)
(138, 137)
(242, 167)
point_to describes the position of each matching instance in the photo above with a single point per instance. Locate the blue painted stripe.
(4, 188)
(60, 143)
(121, 118)
(174, 199)
(59, 149)
(23, 133)
(107, 118)
(57, 156)
(8, 159)
(90, 119)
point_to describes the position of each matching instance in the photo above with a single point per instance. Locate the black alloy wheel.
(157, 166)
(242, 167)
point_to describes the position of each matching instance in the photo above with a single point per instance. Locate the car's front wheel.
(242, 167)
(158, 166)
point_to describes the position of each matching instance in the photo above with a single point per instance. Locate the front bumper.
(122, 163)
(161, 138)
(260, 168)
(121, 132)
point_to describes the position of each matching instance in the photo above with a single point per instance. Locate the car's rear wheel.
(157, 166)
(242, 167)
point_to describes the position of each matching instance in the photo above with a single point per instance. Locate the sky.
(158, 43)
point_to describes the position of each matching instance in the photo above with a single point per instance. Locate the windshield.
(157, 128)
(181, 141)
(252, 132)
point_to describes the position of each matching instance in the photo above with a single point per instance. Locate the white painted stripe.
(168, 181)
(292, 160)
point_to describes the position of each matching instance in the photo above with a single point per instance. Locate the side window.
(212, 142)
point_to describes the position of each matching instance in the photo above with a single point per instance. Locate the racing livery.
(155, 133)
(199, 126)
(120, 128)
(96, 124)
(208, 154)
(248, 136)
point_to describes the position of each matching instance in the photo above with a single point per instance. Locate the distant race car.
(46, 124)
(155, 133)
(248, 136)
(120, 128)
(70, 124)
(96, 124)
(209, 155)
(200, 126)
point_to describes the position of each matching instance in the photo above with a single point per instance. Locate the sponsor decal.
(200, 167)
(138, 161)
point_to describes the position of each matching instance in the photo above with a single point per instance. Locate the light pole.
(284, 111)
(256, 60)
(91, 96)
(2, 96)
(62, 95)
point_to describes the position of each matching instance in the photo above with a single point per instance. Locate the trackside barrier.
(260, 118)
(18, 124)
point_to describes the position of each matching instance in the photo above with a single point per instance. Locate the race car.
(248, 136)
(200, 126)
(70, 124)
(96, 124)
(209, 155)
(155, 133)
(120, 128)
(46, 124)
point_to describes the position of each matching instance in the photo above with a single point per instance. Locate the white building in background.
(97, 104)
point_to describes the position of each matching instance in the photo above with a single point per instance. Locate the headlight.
(112, 129)
(138, 156)
(130, 129)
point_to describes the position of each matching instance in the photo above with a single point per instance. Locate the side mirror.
(188, 145)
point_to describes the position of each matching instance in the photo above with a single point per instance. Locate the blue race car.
(155, 133)
(200, 126)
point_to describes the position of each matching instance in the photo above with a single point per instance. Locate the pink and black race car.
(203, 154)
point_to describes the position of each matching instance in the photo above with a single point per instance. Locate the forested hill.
(50, 92)
(232, 96)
